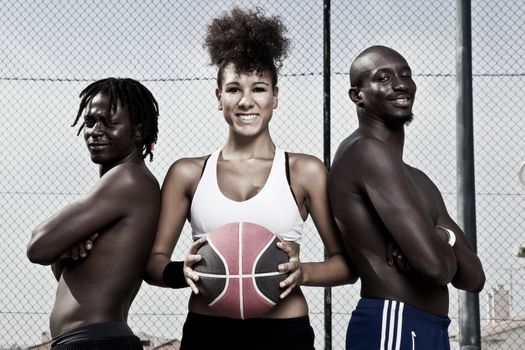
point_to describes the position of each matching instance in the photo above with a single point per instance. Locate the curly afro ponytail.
(249, 41)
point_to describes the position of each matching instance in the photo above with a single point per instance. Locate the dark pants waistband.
(249, 321)
(96, 331)
(438, 321)
(253, 333)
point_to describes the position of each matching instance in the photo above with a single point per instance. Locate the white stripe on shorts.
(388, 341)
(399, 324)
(383, 323)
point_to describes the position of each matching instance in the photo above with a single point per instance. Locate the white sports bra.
(273, 207)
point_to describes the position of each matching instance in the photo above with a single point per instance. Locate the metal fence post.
(327, 154)
(469, 319)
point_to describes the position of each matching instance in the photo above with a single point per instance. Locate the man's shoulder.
(359, 149)
(130, 177)
(362, 159)
(364, 143)
(131, 171)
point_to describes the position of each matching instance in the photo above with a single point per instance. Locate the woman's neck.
(238, 147)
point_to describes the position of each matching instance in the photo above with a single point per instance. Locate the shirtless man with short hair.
(395, 226)
(121, 211)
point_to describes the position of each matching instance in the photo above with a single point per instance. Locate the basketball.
(238, 273)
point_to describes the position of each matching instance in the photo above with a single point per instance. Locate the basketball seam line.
(263, 274)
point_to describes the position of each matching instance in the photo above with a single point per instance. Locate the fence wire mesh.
(52, 49)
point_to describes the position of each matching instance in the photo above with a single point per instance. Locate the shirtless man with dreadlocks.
(119, 120)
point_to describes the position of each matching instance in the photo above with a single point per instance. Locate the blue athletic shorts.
(378, 324)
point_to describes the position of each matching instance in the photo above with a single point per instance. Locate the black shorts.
(101, 336)
(202, 332)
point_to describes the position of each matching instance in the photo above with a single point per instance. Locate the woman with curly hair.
(247, 173)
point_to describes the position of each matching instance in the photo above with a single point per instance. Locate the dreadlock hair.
(249, 41)
(142, 106)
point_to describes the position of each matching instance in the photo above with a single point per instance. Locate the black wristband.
(173, 275)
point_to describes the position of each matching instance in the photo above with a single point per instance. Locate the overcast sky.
(52, 49)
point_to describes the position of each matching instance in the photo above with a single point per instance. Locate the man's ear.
(355, 95)
(139, 133)
(275, 97)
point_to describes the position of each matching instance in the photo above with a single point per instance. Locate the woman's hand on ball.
(191, 258)
(293, 267)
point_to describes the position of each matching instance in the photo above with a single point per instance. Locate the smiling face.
(247, 101)
(382, 86)
(112, 139)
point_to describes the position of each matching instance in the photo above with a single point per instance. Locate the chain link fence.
(52, 49)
